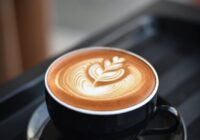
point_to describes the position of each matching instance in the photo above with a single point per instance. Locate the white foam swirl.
(98, 74)
(81, 79)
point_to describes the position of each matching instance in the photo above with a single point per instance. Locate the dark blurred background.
(34, 30)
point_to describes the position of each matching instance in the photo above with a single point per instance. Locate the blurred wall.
(24, 26)
(33, 26)
(10, 57)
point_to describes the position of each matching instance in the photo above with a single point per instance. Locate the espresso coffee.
(101, 79)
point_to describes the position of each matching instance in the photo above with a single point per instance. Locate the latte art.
(110, 72)
(101, 79)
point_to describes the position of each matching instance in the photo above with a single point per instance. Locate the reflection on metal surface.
(37, 122)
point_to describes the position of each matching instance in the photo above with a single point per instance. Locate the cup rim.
(111, 112)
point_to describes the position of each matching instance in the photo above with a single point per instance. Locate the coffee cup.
(104, 91)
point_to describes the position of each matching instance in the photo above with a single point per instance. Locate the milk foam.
(100, 78)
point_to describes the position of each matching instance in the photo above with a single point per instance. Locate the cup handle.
(159, 131)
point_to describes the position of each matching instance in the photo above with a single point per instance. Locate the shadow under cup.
(132, 120)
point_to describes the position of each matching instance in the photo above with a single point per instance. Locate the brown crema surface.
(101, 79)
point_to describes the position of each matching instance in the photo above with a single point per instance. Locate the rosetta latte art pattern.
(99, 78)
(110, 72)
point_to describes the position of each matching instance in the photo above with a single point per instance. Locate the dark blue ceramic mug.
(133, 119)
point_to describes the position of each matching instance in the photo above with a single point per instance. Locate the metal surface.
(37, 122)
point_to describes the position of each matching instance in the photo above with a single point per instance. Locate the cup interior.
(112, 112)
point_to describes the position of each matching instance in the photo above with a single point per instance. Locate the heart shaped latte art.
(99, 78)
(110, 71)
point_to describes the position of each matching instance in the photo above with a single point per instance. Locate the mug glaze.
(134, 118)
(65, 118)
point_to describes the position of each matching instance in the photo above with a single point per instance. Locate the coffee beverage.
(101, 79)
(104, 91)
